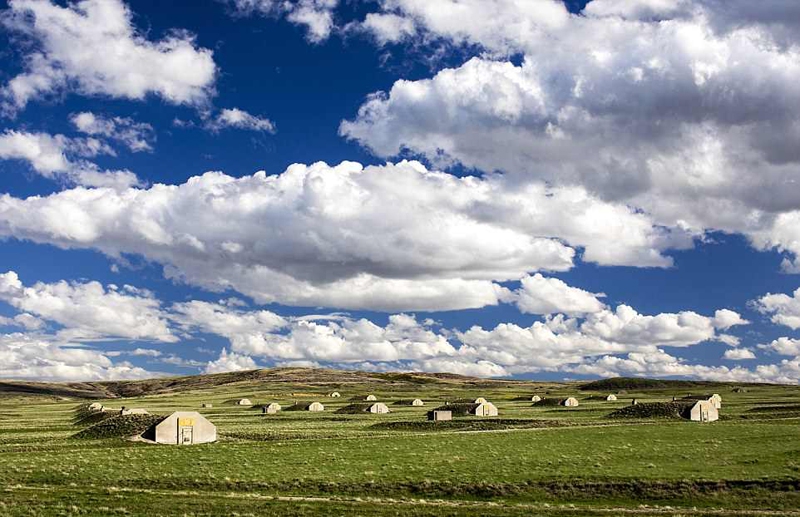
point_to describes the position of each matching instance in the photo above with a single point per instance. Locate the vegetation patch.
(354, 409)
(548, 402)
(468, 425)
(634, 383)
(120, 426)
(665, 410)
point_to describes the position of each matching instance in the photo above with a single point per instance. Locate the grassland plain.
(529, 461)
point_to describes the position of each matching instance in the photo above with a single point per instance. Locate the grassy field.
(529, 461)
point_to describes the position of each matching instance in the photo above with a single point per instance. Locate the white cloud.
(661, 364)
(387, 28)
(230, 362)
(500, 25)
(782, 308)
(739, 354)
(540, 295)
(31, 358)
(688, 113)
(136, 136)
(783, 346)
(89, 310)
(322, 236)
(316, 15)
(92, 47)
(59, 157)
(726, 318)
(239, 119)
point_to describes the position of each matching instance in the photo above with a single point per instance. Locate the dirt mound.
(647, 410)
(119, 426)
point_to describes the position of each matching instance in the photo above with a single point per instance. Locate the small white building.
(440, 415)
(703, 411)
(183, 428)
(371, 398)
(335, 395)
(417, 402)
(133, 411)
(95, 406)
(378, 408)
(480, 400)
(244, 402)
(485, 409)
(611, 397)
(536, 398)
(716, 400)
(570, 402)
(206, 405)
(314, 407)
(271, 409)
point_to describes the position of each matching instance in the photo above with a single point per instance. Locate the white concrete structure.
(485, 409)
(334, 395)
(183, 428)
(439, 416)
(536, 398)
(271, 409)
(378, 408)
(703, 411)
(611, 397)
(244, 402)
(716, 400)
(133, 411)
(371, 398)
(417, 402)
(570, 402)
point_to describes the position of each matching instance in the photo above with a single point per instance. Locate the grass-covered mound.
(404, 402)
(468, 425)
(646, 410)
(458, 409)
(634, 383)
(548, 402)
(93, 417)
(120, 426)
(354, 409)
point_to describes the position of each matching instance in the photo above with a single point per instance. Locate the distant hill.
(638, 384)
(311, 377)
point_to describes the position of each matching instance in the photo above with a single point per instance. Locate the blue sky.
(496, 188)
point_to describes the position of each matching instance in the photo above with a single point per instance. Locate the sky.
(535, 189)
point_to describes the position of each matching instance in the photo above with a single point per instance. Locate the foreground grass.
(540, 461)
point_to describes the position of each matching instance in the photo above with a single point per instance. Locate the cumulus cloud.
(136, 136)
(558, 344)
(322, 236)
(686, 110)
(782, 308)
(739, 354)
(62, 158)
(92, 47)
(230, 362)
(661, 364)
(89, 310)
(540, 295)
(27, 357)
(783, 346)
(317, 16)
(239, 119)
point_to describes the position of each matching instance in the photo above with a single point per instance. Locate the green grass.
(530, 460)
